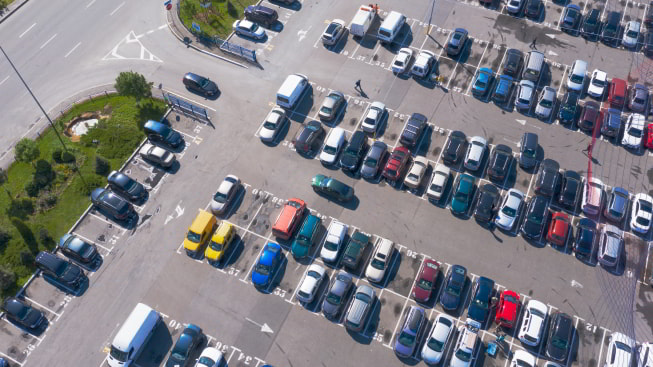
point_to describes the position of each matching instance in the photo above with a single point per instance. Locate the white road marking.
(89, 4)
(116, 9)
(27, 30)
(48, 41)
(73, 49)
(4, 80)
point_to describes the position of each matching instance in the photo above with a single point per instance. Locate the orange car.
(559, 229)
(289, 218)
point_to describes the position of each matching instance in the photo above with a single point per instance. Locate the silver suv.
(360, 308)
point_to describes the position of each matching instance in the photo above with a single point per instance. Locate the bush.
(20, 208)
(133, 84)
(32, 188)
(5, 236)
(92, 183)
(7, 277)
(56, 155)
(26, 258)
(44, 236)
(67, 157)
(231, 9)
(102, 166)
(47, 201)
(43, 173)
(26, 150)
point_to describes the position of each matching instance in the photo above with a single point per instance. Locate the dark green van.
(307, 237)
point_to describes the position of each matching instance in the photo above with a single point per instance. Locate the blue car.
(483, 82)
(503, 90)
(463, 194)
(266, 265)
(453, 287)
(189, 340)
(571, 19)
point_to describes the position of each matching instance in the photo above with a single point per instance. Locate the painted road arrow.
(264, 328)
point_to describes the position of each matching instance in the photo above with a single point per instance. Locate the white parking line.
(601, 349)
(11, 359)
(4, 80)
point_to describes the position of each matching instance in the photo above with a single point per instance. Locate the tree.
(133, 84)
(26, 150)
(4, 178)
(102, 166)
(7, 277)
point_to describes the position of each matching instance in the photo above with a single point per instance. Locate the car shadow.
(303, 108)
(295, 5)
(233, 253)
(157, 347)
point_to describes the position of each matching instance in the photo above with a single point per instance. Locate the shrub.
(20, 208)
(56, 155)
(7, 277)
(26, 258)
(47, 201)
(133, 84)
(67, 157)
(32, 188)
(43, 173)
(5, 236)
(189, 8)
(44, 236)
(102, 166)
(26, 150)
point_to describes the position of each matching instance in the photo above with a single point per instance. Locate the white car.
(333, 145)
(273, 124)
(333, 32)
(423, 63)
(439, 182)
(597, 85)
(525, 94)
(466, 344)
(620, 351)
(402, 60)
(533, 323)
(634, 131)
(438, 340)
(514, 6)
(334, 240)
(475, 153)
(592, 196)
(248, 29)
(416, 172)
(546, 103)
(509, 211)
(225, 195)
(210, 357)
(372, 118)
(641, 213)
(310, 283)
(381, 257)
(522, 358)
(645, 355)
(631, 34)
(157, 155)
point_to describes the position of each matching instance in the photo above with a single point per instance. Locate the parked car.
(332, 146)
(487, 203)
(546, 103)
(157, 155)
(333, 32)
(479, 306)
(372, 119)
(590, 116)
(617, 92)
(500, 163)
(453, 286)
(21, 313)
(611, 122)
(289, 219)
(311, 283)
(402, 60)
(611, 246)
(522, 358)
(559, 229)
(547, 181)
(356, 247)
(64, 273)
(570, 19)
(637, 98)
(642, 211)
(354, 152)
(189, 340)
(438, 340)
(533, 323)
(466, 344)
(528, 150)
(274, 123)
(502, 90)
(161, 133)
(226, 194)
(611, 29)
(454, 148)
(634, 131)
(525, 93)
(396, 164)
(416, 172)
(334, 241)
(413, 130)
(568, 107)
(200, 84)
(515, 6)
(380, 261)
(585, 239)
(598, 82)
(261, 14)
(645, 350)
(559, 341)
(475, 153)
(306, 237)
(482, 83)
(457, 42)
(648, 45)
(374, 160)
(359, 308)
(533, 9)
(265, 269)
(463, 194)
(337, 294)
(536, 215)
(111, 203)
(631, 34)
(410, 333)
(439, 182)
(126, 186)
(592, 24)
(308, 138)
(423, 64)
(617, 204)
(332, 188)
(507, 309)
(513, 63)
(247, 28)
(425, 284)
(621, 351)
(210, 357)
(570, 192)
(509, 210)
(78, 250)
(592, 197)
(331, 105)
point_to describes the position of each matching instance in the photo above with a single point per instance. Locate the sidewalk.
(9, 10)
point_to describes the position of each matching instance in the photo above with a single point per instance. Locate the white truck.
(362, 20)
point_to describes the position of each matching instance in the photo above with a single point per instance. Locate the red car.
(396, 163)
(617, 92)
(558, 229)
(508, 309)
(289, 218)
(423, 289)
(649, 136)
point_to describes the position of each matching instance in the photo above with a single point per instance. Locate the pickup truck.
(355, 249)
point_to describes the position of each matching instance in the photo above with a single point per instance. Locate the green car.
(332, 188)
(463, 194)
(306, 237)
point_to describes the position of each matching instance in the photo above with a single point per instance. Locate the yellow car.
(220, 242)
(199, 232)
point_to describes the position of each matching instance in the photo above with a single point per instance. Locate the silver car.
(510, 209)
(525, 93)
(336, 296)
(333, 32)
(610, 246)
(331, 105)
(248, 29)
(359, 308)
(157, 155)
(225, 195)
(372, 119)
(273, 124)
(546, 103)
(373, 160)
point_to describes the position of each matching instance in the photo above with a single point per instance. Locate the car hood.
(504, 221)
(554, 352)
(631, 140)
(403, 349)
(72, 273)
(329, 308)
(430, 356)
(216, 207)
(348, 160)
(298, 249)
(266, 133)
(308, 284)
(449, 301)
(374, 273)
(326, 157)
(476, 313)
(420, 293)
(259, 279)
(594, 89)
(458, 206)
(328, 255)
(531, 228)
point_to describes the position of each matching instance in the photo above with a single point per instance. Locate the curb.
(4, 17)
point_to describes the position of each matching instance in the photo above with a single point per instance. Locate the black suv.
(610, 33)
(200, 84)
(571, 186)
(533, 9)
(535, 218)
(455, 147)
(528, 150)
(261, 14)
(500, 162)
(487, 203)
(65, 273)
(354, 152)
(159, 132)
(413, 129)
(546, 182)
(308, 138)
(514, 62)
(591, 24)
(23, 314)
(559, 341)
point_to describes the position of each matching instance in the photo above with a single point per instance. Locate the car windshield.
(216, 246)
(559, 343)
(406, 339)
(457, 36)
(461, 196)
(643, 221)
(370, 162)
(632, 34)
(546, 103)
(453, 290)
(576, 78)
(331, 246)
(598, 83)
(253, 27)
(537, 313)
(529, 153)
(633, 131)
(204, 83)
(399, 62)
(378, 264)
(521, 363)
(262, 269)
(326, 110)
(270, 125)
(333, 299)
(392, 172)
(425, 284)
(22, 314)
(118, 354)
(508, 211)
(524, 100)
(413, 177)
(480, 303)
(220, 197)
(479, 82)
(329, 149)
(510, 299)
(331, 29)
(363, 297)
(435, 345)
(535, 218)
(463, 355)
(436, 188)
(623, 347)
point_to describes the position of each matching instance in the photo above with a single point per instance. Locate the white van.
(291, 90)
(391, 27)
(133, 335)
(362, 20)
(333, 145)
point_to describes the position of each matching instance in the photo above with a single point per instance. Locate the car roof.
(550, 164)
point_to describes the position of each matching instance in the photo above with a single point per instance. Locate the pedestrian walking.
(357, 86)
(588, 149)
(533, 44)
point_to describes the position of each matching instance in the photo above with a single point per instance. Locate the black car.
(585, 239)
(189, 340)
(535, 218)
(546, 182)
(355, 151)
(528, 150)
(413, 129)
(533, 9)
(648, 44)
(60, 271)
(479, 307)
(570, 19)
(500, 162)
(571, 187)
(261, 14)
(159, 132)
(111, 203)
(200, 84)
(126, 186)
(78, 250)
(455, 147)
(514, 62)
(453, 287)
(592, 24)
(307, 139)
(558, 343)
(568, 108)
(23, 314)
(457, 42)
(487, 203)
(611, 29)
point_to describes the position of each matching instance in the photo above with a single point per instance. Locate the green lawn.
(216, 19)
(116, 138)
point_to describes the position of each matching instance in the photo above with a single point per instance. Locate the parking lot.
(144, 260)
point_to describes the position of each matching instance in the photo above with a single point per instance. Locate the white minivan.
(391, 26)
(133, 335)
(333, 145)
(292, 90)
